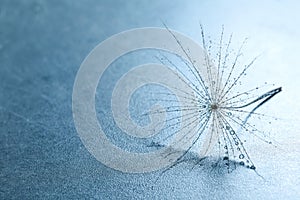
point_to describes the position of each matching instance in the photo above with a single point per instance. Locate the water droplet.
(253, 167)
(229, 113)
(227, 127)
(232, 132)
(226, 158)
(241, 156)
(242, 163)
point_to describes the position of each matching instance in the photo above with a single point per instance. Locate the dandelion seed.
(221, 108)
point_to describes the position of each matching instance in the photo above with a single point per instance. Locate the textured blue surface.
(42, 44)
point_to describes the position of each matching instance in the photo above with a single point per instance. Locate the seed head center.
(214, 106)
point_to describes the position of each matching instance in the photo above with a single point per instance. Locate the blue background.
(42, 44)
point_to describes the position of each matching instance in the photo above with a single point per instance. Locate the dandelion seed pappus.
(222, 109)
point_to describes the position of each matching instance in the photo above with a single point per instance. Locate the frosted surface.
(42, 44)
